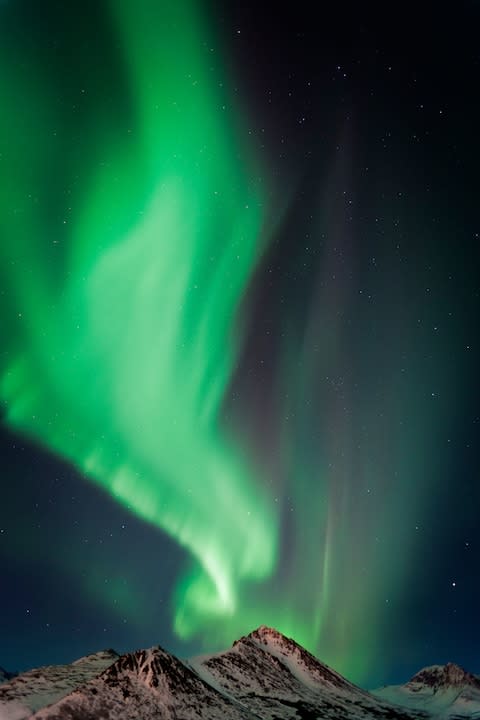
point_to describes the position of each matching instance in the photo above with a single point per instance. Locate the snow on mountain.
(445, 691)
(146, 685)
(28, 692)
(304, 666)
(263, 676)
(277, 679)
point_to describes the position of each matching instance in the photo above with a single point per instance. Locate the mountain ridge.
(263, 676)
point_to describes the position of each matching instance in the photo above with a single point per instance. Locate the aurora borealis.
(135, 360)
(239, 299)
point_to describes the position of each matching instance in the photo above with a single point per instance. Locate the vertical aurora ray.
(121, 364)
(350, 438)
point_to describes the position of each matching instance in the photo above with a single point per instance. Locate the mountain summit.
(263, 676)
(445, 691)
(298, 660)
(442, 676)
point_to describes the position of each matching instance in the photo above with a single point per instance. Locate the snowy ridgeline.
(264, 675)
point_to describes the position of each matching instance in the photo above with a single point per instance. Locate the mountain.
(278, 679)
(445, 691)
(263, 676)
(35, 689)
(145, 685)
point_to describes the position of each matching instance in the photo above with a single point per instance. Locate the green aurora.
(122, 369)
(122, 325)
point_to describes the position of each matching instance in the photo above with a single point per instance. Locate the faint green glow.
(122, 366)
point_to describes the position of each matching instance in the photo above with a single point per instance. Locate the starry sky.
(239, 295)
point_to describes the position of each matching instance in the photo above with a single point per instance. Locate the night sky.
(239, 297)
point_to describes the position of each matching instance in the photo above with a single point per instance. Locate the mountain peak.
(267, 630)
(299, 661)
(449, 675)
(265, 633)
(272, 640)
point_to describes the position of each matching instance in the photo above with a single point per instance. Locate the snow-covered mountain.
(145, 685)
(278, 679)
(445, 691)
(264, 676)
(21, 696)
